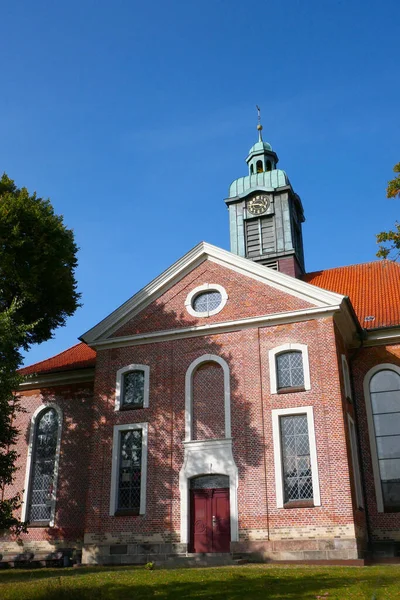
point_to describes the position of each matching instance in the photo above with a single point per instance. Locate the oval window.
(207, 301)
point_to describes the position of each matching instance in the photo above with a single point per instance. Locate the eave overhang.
(44, 380)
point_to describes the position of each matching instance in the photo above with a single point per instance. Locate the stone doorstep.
(294, 545)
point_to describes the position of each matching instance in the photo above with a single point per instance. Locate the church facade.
(235, 405)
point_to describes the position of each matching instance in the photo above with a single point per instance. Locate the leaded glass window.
(209, 482)
(43, 466)
(207, 301)
(297, 476)
(385, 400)
(133, 388)
(130, 470)
(290, 371)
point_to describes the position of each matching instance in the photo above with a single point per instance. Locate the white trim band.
(227, 326)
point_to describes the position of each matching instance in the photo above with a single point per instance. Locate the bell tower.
(265, 214)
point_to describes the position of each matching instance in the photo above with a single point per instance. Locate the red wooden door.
(210, 520)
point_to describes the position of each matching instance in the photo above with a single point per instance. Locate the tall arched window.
(204, 379)
(384, 426)
(269, 165)
(259, 166)
(42, 466)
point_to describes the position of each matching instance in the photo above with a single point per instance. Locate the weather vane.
(259, 126)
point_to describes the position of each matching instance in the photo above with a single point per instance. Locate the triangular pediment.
(253, 290)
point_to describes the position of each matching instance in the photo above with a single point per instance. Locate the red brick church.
(236, 404)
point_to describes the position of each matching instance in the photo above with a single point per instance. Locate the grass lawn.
(249, 581)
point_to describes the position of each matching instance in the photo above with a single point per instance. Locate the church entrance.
(210, 529)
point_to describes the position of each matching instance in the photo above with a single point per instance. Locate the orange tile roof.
(79, 356)
(373, 288)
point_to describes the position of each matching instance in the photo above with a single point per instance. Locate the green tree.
(37, 294)
(389, 241)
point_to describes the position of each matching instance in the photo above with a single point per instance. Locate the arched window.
(259, 166)
(251, 169)
(346, 378)
(204, 374)
(132, 387)
(289, 368)
(42, 466)
(269, 165)
(384, 426)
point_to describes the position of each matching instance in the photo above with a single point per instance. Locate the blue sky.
(135, 117)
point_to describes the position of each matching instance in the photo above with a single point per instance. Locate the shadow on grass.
(234, 584)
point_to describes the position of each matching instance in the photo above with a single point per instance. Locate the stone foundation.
(310, 544)
(42, 547)
(132, 554)
(305, 550)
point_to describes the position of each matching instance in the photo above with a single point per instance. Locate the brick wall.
(383, 526)
(246, 353)
(88, 426)
(75, 402)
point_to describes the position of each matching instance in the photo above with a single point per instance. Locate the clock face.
(258, 204)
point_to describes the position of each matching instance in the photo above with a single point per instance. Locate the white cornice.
(379, 337)
(225, 327)
(60, 378)
(203, 251)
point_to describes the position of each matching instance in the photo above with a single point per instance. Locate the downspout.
(263, 431)
(352, 357)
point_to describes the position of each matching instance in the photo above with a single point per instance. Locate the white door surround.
(206, 457)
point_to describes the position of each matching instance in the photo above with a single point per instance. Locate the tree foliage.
(393, 188)
(389, 241)
(37, 294)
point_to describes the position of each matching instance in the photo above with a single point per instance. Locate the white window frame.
(355, 462)
(207, 287)
(371, 430)
(276, 434)
(273, 375)
(346, 378)
(115, 465)
(189, 393)
(28, 471)
(119, 385)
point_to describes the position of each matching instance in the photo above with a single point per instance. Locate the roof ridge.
(371, 262)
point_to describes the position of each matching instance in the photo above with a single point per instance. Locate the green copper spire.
(261, 157)
(265, 214)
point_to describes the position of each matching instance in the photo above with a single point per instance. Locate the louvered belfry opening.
(260, 237)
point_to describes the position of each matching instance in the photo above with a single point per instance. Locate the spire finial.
(259, 126)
